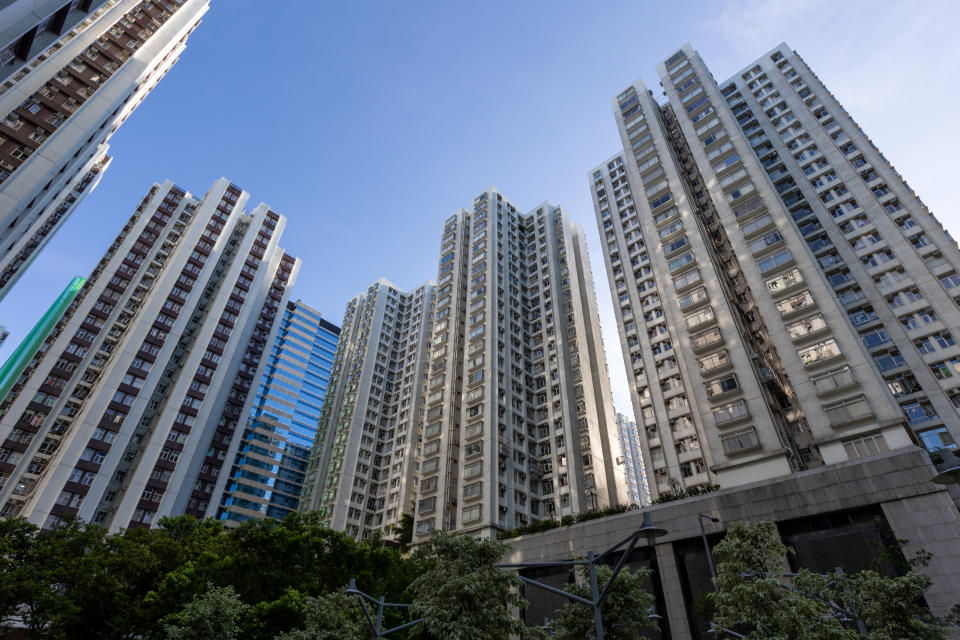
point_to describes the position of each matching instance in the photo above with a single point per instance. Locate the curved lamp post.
(948, 476)
(706, 546)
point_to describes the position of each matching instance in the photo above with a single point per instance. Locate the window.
(473, 469)
(730, 412)
(688, 278)
(698, 295)
(918, 411)
(765, 241)
(471, 514)
(755, 225)
(473, 490)
(169, 454)
(680, 262)
(865, 446)
(848, 410)
(950, 280)
(742, 440)
(795, 303)
(832, 380)
(784, 281)
(706, 339)
(428, 504)
(773, 261)
(93, 455)
(426, 526)
(700, 318)
(889, 360)
(713, 361)
(722, 385)
(875, 338)
(805, 327)
(821, 351)
(937, 439)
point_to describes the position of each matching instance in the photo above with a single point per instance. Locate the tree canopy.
(754, 597)
(625, 610)
(78, 582)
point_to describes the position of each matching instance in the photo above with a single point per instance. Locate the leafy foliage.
(753, 598)
(334, 616)
(462, 593)
(750, 597)
(624, 611)
(211, 616)
(404, 532)
(545, 525)
(78, 582)
(672, 496)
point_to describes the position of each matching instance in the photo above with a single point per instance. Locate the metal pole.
(380, 619)
(377, 627)
(706, 547)
(861, 627)
(595, 592)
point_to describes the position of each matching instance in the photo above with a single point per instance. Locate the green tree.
(334, 616)
(624, 610)
(888, 606)
(54, 567)
(309, 558)
(17, 539)
(211, 616)
(462, 594)
(404, 532)
(750, 598)
(752, 594)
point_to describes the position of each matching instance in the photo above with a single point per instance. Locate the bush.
(566, 521)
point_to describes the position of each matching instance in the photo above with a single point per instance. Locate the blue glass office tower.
(268, 472)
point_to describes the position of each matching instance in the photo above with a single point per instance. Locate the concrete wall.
(896, 482)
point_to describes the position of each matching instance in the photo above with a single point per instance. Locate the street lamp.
(377, 627)
(706, 546)
(950, 475)
(647, 530)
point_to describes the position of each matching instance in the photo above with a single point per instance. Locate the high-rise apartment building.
(136, 400)
(785, 300)
(271, 462)
(70, 74)
(519, 421)
(632, 460)
(363, 471)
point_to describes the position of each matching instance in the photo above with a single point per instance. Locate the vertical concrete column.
(676, 611)
(931, 522)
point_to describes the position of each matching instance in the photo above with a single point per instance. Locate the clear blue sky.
(368, 123)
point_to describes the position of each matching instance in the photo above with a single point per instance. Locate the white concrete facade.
(60, 109)
(362, 474)
(179, 308)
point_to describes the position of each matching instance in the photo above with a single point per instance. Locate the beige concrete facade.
(519, 417)
(362, 474)
(784, 299)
